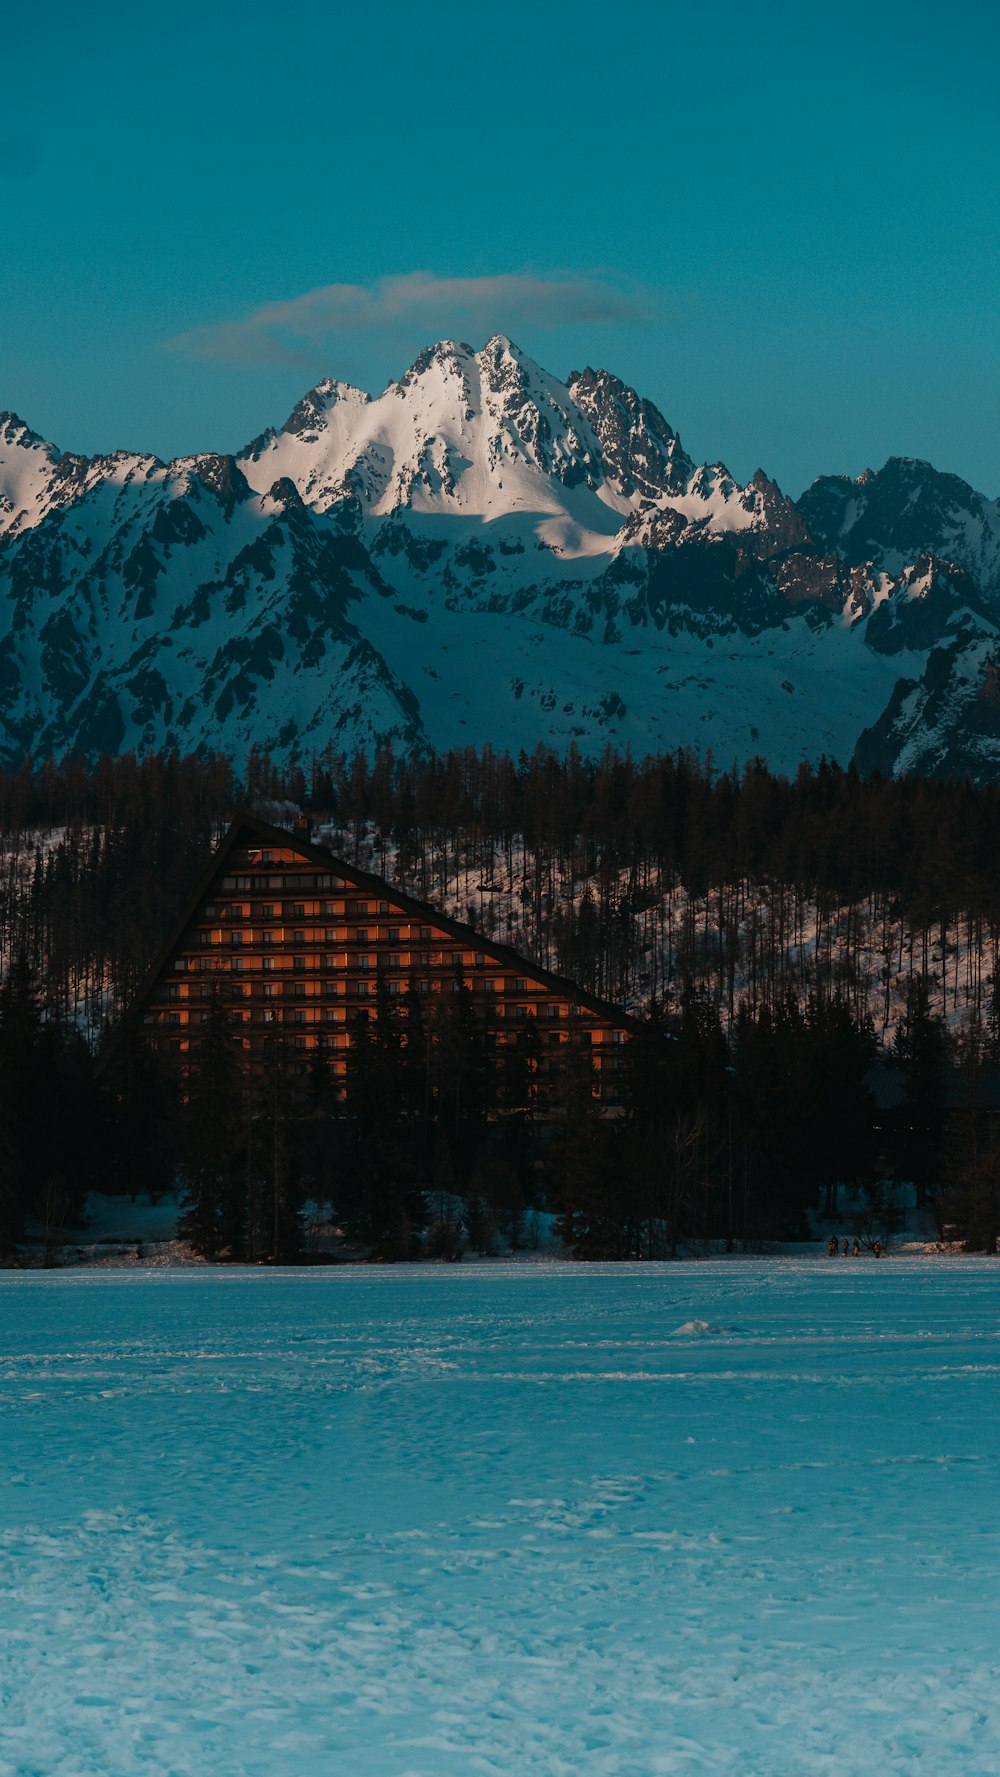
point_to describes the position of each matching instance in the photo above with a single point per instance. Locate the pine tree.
(920, 1049)
(20, 1033)
(584, 1183)
(214, 1162)
(969, 1205)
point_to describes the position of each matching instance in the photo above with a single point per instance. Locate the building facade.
(302, 946)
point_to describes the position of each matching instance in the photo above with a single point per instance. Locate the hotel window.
(236, 962)
(361, 935)
(364, 962)
(520, 987)
(298, 937)
(236, 937)
(267, 964)
(383, 906)
(268, 990)
(298, 963)
(363, 988)
(267, 937)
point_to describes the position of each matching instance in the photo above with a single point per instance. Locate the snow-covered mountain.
(483, 552)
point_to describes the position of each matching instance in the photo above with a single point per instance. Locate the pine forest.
(811, 964)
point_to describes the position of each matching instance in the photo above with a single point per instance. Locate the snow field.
(471, 882)
(530, 1520)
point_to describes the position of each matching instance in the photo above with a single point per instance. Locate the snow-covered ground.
(501, 1521)
(782, 934)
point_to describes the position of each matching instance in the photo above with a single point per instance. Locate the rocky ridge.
(485, 553)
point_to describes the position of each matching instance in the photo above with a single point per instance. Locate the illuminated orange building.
(304, 945)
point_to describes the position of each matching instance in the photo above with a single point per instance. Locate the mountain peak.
(642, 451)
(448, 353)
(15, 431)
(480, 550)
(309, 414)
(500, 345)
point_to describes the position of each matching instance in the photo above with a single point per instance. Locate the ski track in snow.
(501, 1521)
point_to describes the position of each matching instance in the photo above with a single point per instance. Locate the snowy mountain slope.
(891, 515)
(481, 552)
(944, 723)
(163, 622)
(34, 476)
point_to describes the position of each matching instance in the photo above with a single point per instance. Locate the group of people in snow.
(836, 1246)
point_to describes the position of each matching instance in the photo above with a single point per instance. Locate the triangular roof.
(246, 826)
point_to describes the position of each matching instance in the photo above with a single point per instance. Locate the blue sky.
(779, 222)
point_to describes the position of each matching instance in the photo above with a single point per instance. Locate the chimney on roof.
(303, 825)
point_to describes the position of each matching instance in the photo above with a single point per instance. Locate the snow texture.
(483, 1520)
(485, 553)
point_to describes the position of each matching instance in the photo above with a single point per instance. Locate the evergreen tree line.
(724, 1138)
(97, 860)
(628, 876)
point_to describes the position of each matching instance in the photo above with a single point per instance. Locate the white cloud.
(293, 332)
